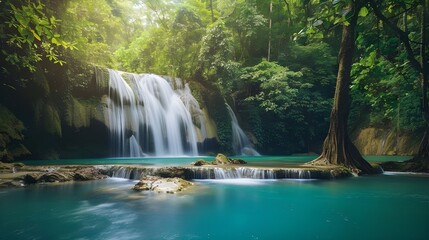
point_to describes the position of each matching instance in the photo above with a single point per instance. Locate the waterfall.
(136, 172)
(241, 143)
(149, 114)
(248, 172)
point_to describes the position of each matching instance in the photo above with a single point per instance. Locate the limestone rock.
(238, 161)
(162, 185)
(55, 177)
(220, 159)
(89, 173)
(201, 162)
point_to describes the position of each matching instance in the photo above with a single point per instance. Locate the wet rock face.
(162, 185)
(65, 174)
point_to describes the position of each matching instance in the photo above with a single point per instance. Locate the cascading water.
(241, 143)
(132, 172)
(147, 116)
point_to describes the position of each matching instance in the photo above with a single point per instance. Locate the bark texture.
(424, 145)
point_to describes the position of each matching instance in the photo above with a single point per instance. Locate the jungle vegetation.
(280, 62)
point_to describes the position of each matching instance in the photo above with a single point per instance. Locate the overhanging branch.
(403, 36)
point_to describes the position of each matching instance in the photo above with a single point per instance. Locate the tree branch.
(403, 36)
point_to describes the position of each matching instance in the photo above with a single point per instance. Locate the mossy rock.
(221, 159)
(201, 162)
(11, 136)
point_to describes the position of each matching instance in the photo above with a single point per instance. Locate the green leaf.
(363, 12)
(36, 36)
(54, 41)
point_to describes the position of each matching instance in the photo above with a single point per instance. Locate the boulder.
(31, 178)
(162, 185)
(170, 172)
(56, 177)
(221, 159)
(238, 161)
(89, 173)
(201, 162)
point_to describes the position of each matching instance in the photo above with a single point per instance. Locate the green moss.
(41, 82)
(47, 117)
(11, 135)
(81, 111)
(209, 96)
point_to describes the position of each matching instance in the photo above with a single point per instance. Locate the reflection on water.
(373, 207)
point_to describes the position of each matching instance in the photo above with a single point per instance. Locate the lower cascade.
(129, 172)
(246, 172)
(149, 114)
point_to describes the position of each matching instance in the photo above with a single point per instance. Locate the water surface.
(386, 206)
(266, 161)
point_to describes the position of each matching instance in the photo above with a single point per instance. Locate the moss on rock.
(11, 136)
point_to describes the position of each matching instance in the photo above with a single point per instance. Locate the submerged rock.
(162, 185)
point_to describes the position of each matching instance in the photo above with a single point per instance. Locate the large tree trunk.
(423, 153)
(338, 148)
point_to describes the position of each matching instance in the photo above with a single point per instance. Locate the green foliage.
(145, 53)
(245, 22)
(385, 84)
(296, 110)
(215, 55)
(213, 43)
(93, 26)
(390, 94)
(30, 34)
(279, 86)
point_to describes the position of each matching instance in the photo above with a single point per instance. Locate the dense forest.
(275, 62)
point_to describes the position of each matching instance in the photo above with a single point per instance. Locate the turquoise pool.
(388, 206)
(254, 160)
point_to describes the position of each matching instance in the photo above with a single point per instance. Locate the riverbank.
(20, 175)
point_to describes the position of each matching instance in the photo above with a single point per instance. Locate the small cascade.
(240, 141)
(151, 115)
(130, 172)
(135, 173)
(246, 172)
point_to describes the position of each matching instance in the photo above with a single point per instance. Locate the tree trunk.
(338, 148)
(423, 153)
(211, 10)
(269, 34)
(290, 21)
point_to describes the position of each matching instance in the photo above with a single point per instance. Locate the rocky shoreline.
(167, 179)
(20, 175)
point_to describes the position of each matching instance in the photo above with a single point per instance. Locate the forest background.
(274, 61)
